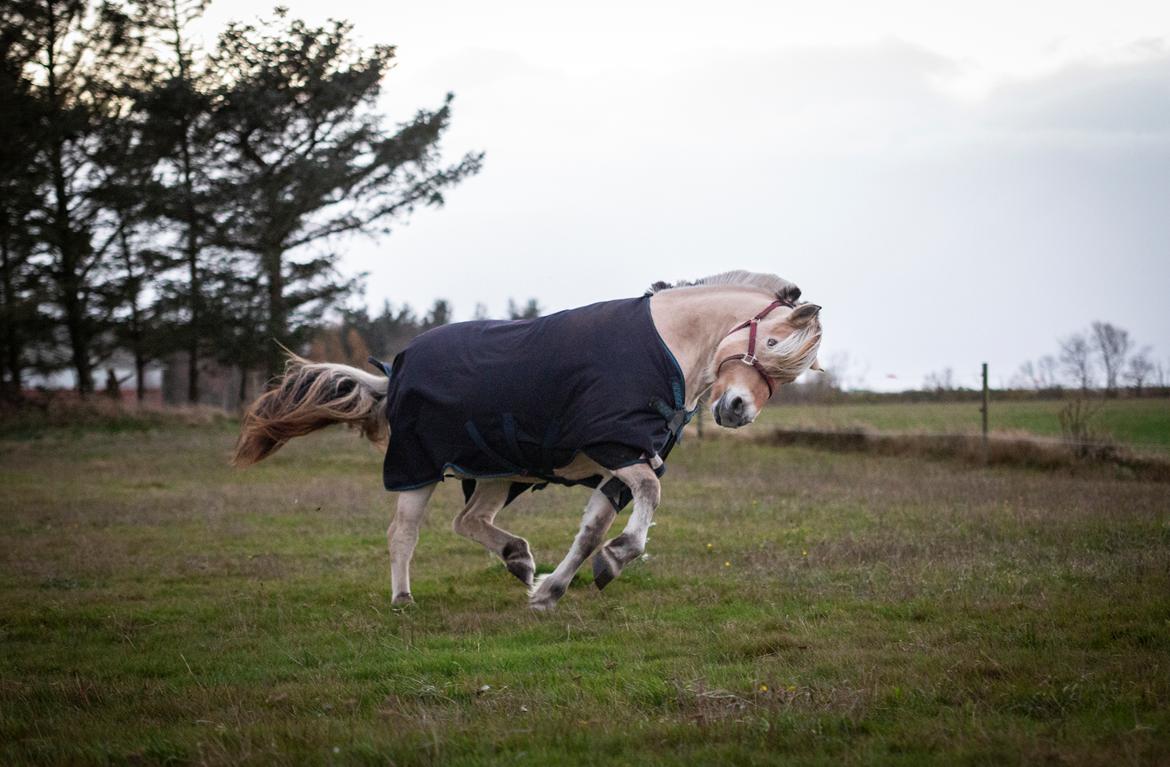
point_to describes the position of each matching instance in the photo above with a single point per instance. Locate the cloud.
(1090, 97)
(937, 230)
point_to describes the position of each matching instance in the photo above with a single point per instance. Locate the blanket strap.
(482, 444)
(676, 417)
(380, 365)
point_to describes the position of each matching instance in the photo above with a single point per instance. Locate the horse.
(596, 396)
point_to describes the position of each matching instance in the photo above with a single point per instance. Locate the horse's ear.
(789, 293)
(802, 315)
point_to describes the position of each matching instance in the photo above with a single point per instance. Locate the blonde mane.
(770, 283)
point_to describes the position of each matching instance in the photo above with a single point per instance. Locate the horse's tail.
(311, 396)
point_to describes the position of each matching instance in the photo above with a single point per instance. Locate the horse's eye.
(771, 342)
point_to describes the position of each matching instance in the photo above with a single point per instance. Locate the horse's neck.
(692, 322)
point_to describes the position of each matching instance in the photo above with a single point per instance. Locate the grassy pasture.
(1141, 422)
(798, 607)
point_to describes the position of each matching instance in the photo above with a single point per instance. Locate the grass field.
(798, 607)
(1144, 423)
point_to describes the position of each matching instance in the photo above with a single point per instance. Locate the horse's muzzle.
(731, 411)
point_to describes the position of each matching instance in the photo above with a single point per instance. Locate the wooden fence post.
(983, 409)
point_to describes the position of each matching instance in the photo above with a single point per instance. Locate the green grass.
(1140, 422)
(798, 607)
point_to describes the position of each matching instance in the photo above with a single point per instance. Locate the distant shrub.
(35, 416)
(1017, 451)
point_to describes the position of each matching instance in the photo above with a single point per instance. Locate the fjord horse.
(735, 337)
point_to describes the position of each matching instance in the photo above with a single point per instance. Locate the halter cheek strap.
(749, 357)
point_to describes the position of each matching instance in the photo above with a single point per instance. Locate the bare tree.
(1048, 372)
(1040, 375)
(1076, 359)
(1140, 369)
(1111, 344)
(1026, 377)
(842, 373)
(942, 380)
(527, 311)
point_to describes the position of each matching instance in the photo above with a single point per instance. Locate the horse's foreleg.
(598, 516)
(619, 552)
(401, 537)
(476, 522)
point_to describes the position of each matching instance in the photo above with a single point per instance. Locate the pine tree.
(20, 182)
(78, 53)
(178, 132)
(305, 157)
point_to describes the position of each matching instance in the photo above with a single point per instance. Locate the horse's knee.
(643, 484)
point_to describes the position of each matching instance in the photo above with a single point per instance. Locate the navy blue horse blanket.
(503, 398)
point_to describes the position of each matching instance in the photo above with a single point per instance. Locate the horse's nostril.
(737, 406)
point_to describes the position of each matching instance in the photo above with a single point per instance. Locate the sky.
(954, 182)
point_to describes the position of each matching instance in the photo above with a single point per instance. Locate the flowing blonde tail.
(311, 396)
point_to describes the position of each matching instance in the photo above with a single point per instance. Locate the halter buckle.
(748, 359)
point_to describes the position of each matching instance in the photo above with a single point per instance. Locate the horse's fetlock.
(515, 549)
(625, 548)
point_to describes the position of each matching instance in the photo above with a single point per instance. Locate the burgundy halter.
(749, 357)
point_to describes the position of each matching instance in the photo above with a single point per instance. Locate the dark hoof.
(522, 569)
(518, 559)
(605, 568)
(402, 600)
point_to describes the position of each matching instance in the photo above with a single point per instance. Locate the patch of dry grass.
(1017, 450)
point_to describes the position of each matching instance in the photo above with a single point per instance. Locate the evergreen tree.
(20, 182)
(305, 157)
(78, 52)
(178, 133)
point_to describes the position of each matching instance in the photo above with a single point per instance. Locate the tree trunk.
(12, 343)
(69, 277)
(192, 253)
(191, 238)
(140, 373)
(243, 388)
(132, 292)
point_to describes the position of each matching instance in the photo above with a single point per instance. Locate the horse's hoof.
(545, 595)
(402, 600)
(605, 568)
(518, 559)
(524, 569)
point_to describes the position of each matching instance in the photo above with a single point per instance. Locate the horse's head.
(786, 343)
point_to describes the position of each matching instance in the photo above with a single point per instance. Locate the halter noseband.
(749, 357)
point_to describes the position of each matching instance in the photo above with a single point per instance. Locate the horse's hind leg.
(599, 515)
(616, 554)
(401, 538)
(476, 522)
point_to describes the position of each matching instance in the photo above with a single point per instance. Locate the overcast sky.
(953, 182)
